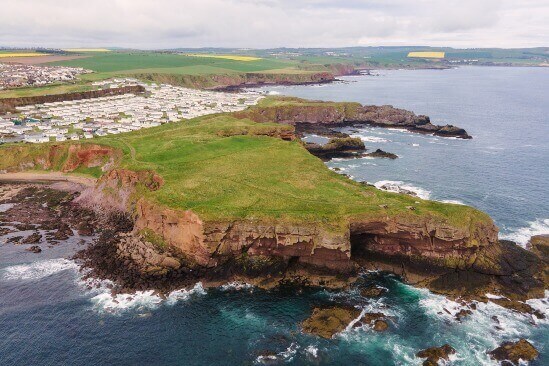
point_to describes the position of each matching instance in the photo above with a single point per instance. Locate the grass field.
(113, 62)
(222, 168)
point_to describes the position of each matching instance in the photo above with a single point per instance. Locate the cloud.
(273, 23)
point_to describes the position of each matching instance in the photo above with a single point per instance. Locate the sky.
(156, 24)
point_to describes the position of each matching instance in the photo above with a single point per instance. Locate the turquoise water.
(49, 317)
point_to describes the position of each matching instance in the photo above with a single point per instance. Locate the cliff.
(229, 201)
(313, 115)
(9, 104)
(235, 81)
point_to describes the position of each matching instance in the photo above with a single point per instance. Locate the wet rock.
(380, 325)
(515, 351)
(539, 244)
(372, 291)
(5, 231)
(35, 249)
(14, 240)
(325, 322)
(63, 232)
(434, 354)
(375, 320)
(32, 239)
(463, 313)
(382, 154)
(85, 229)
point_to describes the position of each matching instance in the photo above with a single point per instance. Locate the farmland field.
(426, 54)
(21, 54)
(113, 62)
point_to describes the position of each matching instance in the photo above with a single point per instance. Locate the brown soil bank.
(9, 104)
(318, 116)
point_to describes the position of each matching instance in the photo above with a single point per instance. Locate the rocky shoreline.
(321, 117)
(140, 260)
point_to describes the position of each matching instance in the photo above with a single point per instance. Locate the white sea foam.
(415, 145)
(285, 356)
(273, 92)
(369, 138)
(312, 351)
(37, 270)
(522, 235)
(236, 286)
(6, 206)
(455, 202)
(105, 302)
(397, 186)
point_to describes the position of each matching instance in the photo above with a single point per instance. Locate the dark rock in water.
(539, 244)
(346, 147)
(434, 354)
(372, 291)
(374, 320)
(15, 240)
(24, 227)
(380, 325)
(5, 231)
(515, 351)
(382, 154)
(325, 322)
(63, 232)
(33, 238)
(35, 249)
(463, 313)
(392, 187)
(85, 229)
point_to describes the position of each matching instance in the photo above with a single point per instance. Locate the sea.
(49, 315)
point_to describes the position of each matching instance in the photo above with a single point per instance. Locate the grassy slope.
(253, 177)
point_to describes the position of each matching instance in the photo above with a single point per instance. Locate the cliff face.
(236, 81)
(304, 115)
(9, 104)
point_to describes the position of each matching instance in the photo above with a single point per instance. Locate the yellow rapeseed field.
(426, 54)
(21, 54)
(227, 57)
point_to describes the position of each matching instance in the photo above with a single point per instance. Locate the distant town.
(14, 75)
(88, 118)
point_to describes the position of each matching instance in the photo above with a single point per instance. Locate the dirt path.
(46, 177)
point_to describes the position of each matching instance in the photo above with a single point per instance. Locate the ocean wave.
(106, 302)
(38, 270)
(369, 138)
(522, 235)
(273, 92)
(398, 186)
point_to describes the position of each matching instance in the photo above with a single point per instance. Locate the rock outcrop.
(511, 353)
(434, 354)
(331, 114)
(347, 147)
(326, 322)
(382, 154)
